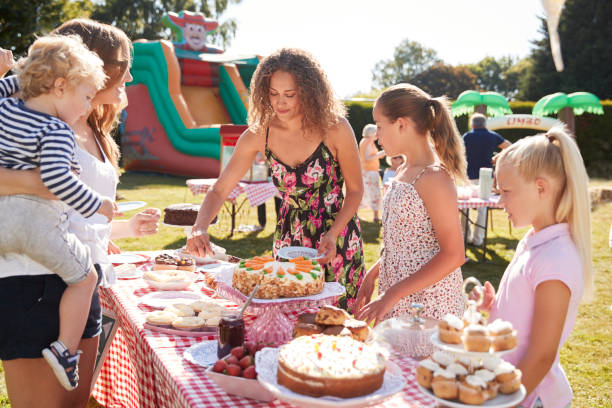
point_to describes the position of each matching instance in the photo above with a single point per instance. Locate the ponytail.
(556, 155)
(447, 140)
(430, 115)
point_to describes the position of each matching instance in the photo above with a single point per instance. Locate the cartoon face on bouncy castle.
(190, 30)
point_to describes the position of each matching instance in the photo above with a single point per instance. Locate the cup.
(230, 332)
(485, 182)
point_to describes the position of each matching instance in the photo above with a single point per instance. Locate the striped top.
(31, 139)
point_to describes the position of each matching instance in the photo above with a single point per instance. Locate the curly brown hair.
(319, 107)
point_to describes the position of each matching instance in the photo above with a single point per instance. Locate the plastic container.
(485, 182)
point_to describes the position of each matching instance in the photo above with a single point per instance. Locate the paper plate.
(163, 299)
(202, 354)
(127, 258)
(297, 251)
(130, 205)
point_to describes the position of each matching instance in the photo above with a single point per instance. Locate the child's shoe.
(65, 365)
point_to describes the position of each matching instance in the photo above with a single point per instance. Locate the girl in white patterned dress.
(422, 242)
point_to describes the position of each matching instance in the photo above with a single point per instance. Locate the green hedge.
(594, 132)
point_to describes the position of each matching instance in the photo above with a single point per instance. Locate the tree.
(497, 75)
(441, 79)
(22, 22)
(142, 18)
(585, 32)
(409, 59)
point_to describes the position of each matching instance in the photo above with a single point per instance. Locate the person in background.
(29, 381)
(6, 61)
(298, 124)
(370, 165)
(480, 146)
(543, 184)
(422, 243)
(394, 163)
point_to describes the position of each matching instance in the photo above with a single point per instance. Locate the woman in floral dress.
(298, 124)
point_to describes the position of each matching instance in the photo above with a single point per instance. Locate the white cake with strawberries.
(296, 278)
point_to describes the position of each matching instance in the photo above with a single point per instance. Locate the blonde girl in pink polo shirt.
(543, 183)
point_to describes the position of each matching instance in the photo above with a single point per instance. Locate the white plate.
(297, 251)
(190, 277)
(501, 401)
(130, 205)
(243, 387)
(458, 348)
(219, 255)
(126, 258)
(161, 300)
(204, 331)
(202, 354)
(132, 274)
(266, 361)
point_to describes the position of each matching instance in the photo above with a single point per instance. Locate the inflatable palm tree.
(567, 106)
(488, 103)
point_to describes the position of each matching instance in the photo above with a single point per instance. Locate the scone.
(476, 338)
(336, 330)
(180, 310)
(160, 318)
(491, 362)
(192, 323)
(331, 316)
(424, 372)
(308, 318)
(444, 384)
(359, 329)
(489, 378)
(306, 329)
(443, 359)
(450, 329)
(473, 390)
(503, 335)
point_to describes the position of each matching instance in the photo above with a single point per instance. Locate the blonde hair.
(368, 130)
(52, 57)
(556, 155)
(430, 115)
(115, 49)
(320, 108)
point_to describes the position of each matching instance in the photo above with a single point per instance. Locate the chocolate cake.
(181, 214)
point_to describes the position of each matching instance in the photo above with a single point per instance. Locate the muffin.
(491, 362)
(192, 323)
(160, 318)
(424, 372)
(450, 329)
(509, 378)
(443, 359)
(306, 329)
(489, 378)
(502, 334)
(472, 390)
(359, 329)
(307, 318)
(331, 315)
(444, 385)
(476, 338)
(460, 371)
(336, 331)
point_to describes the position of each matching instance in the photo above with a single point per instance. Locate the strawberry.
(251, 347)
(246, 361)
(250, 372)
(232, 360)
(238, 352)
(234, 370)
(220, 366)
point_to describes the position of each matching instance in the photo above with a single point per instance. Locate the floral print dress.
(409, 242)
(312, 196)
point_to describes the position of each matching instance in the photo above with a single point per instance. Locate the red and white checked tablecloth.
(492, 202)
(257, 193)
(145, 368)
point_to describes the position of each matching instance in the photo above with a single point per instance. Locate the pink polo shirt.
(549, 254)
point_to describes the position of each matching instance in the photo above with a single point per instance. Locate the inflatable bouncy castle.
(185, 96)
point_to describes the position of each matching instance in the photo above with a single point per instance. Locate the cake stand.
(272, 324)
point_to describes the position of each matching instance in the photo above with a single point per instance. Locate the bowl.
(160, 282)
(243, 387)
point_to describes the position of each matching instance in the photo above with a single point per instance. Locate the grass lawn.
(586, 357)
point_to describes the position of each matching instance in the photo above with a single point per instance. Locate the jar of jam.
(230, 333)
